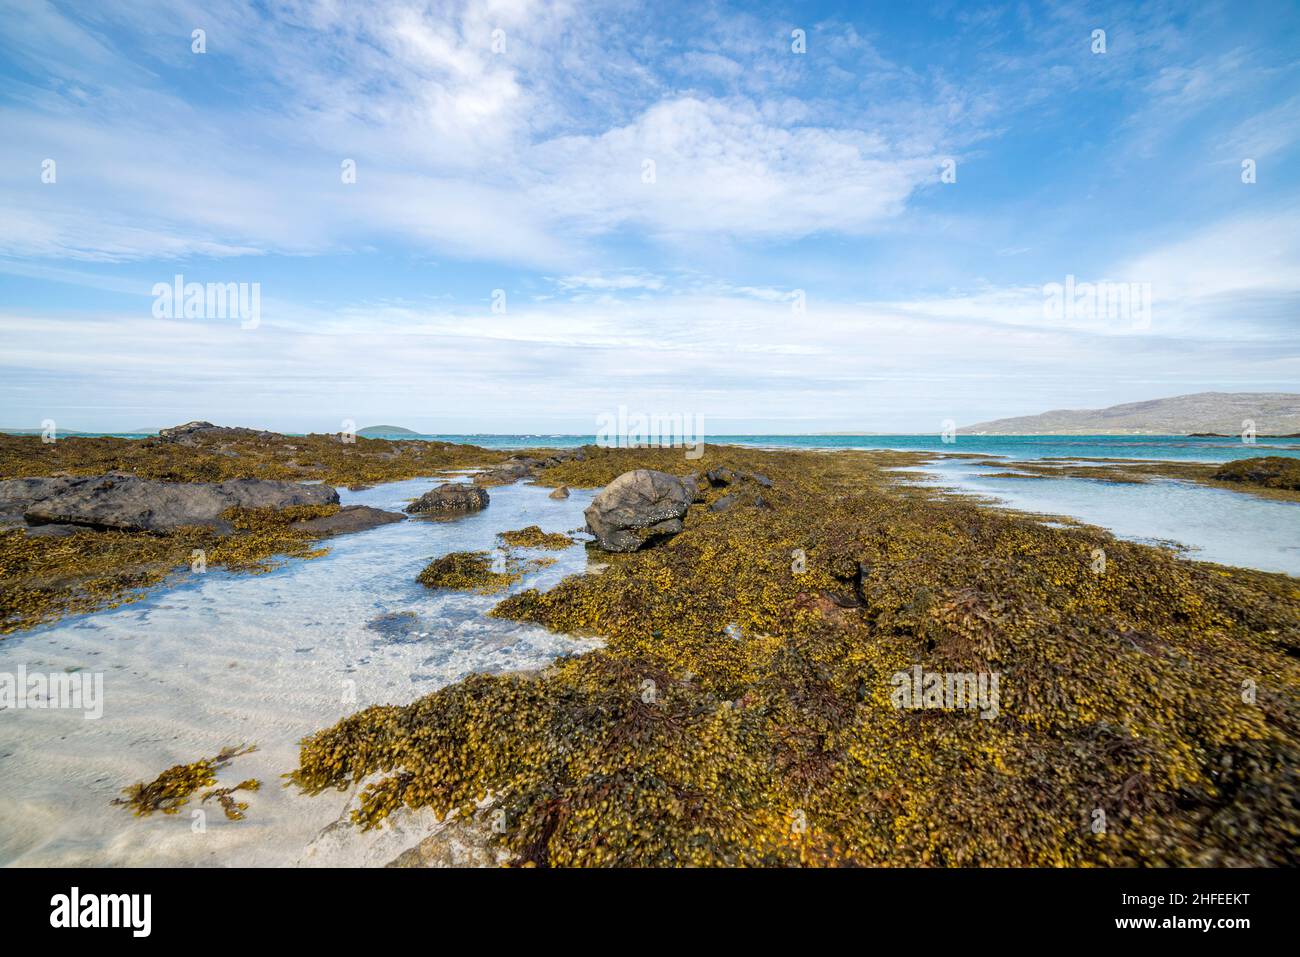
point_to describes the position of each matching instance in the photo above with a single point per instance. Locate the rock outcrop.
(127, 503)
(637, 507)
(1270, 471)
(192, 433)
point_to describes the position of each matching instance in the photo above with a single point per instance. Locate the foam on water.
(229, 658)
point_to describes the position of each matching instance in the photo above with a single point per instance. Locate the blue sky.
(795, 263)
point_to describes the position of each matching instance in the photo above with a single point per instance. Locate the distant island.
(1273, 414)
(383, 431)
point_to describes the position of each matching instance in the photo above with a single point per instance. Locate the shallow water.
(266, 659)
(1213, 525)
(1179, 448)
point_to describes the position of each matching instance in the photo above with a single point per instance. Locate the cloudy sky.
(779, 217)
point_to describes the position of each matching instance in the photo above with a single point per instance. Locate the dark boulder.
(720, 476)
(636, 507)
(450, 497)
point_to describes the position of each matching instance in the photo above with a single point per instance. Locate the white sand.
(266, 659)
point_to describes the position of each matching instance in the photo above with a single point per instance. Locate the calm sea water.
(1178, 447)
(1208, 524)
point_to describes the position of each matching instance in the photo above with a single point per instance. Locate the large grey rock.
(18, 495)
(450, 497)
(350, 518)
(133, 504)
(636, 507)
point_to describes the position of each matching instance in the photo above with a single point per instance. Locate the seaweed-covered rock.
(469, 571)
(126, 503)
(450, 497)
(564, 455)
(636, 507)
(1270, 471)
(534, 537)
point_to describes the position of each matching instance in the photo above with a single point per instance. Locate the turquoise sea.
(1178, 447)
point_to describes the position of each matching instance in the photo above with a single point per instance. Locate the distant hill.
(383, 431)
(1274, 413)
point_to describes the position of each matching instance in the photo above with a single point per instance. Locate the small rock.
(450, 497)
(720, 476)
(505, 474)
(561, 492)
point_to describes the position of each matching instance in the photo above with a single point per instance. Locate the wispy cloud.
(680, 207)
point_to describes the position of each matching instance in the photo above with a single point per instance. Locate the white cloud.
(458, 149)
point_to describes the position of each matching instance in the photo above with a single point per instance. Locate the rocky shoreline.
(740, 710)
(755, 609)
